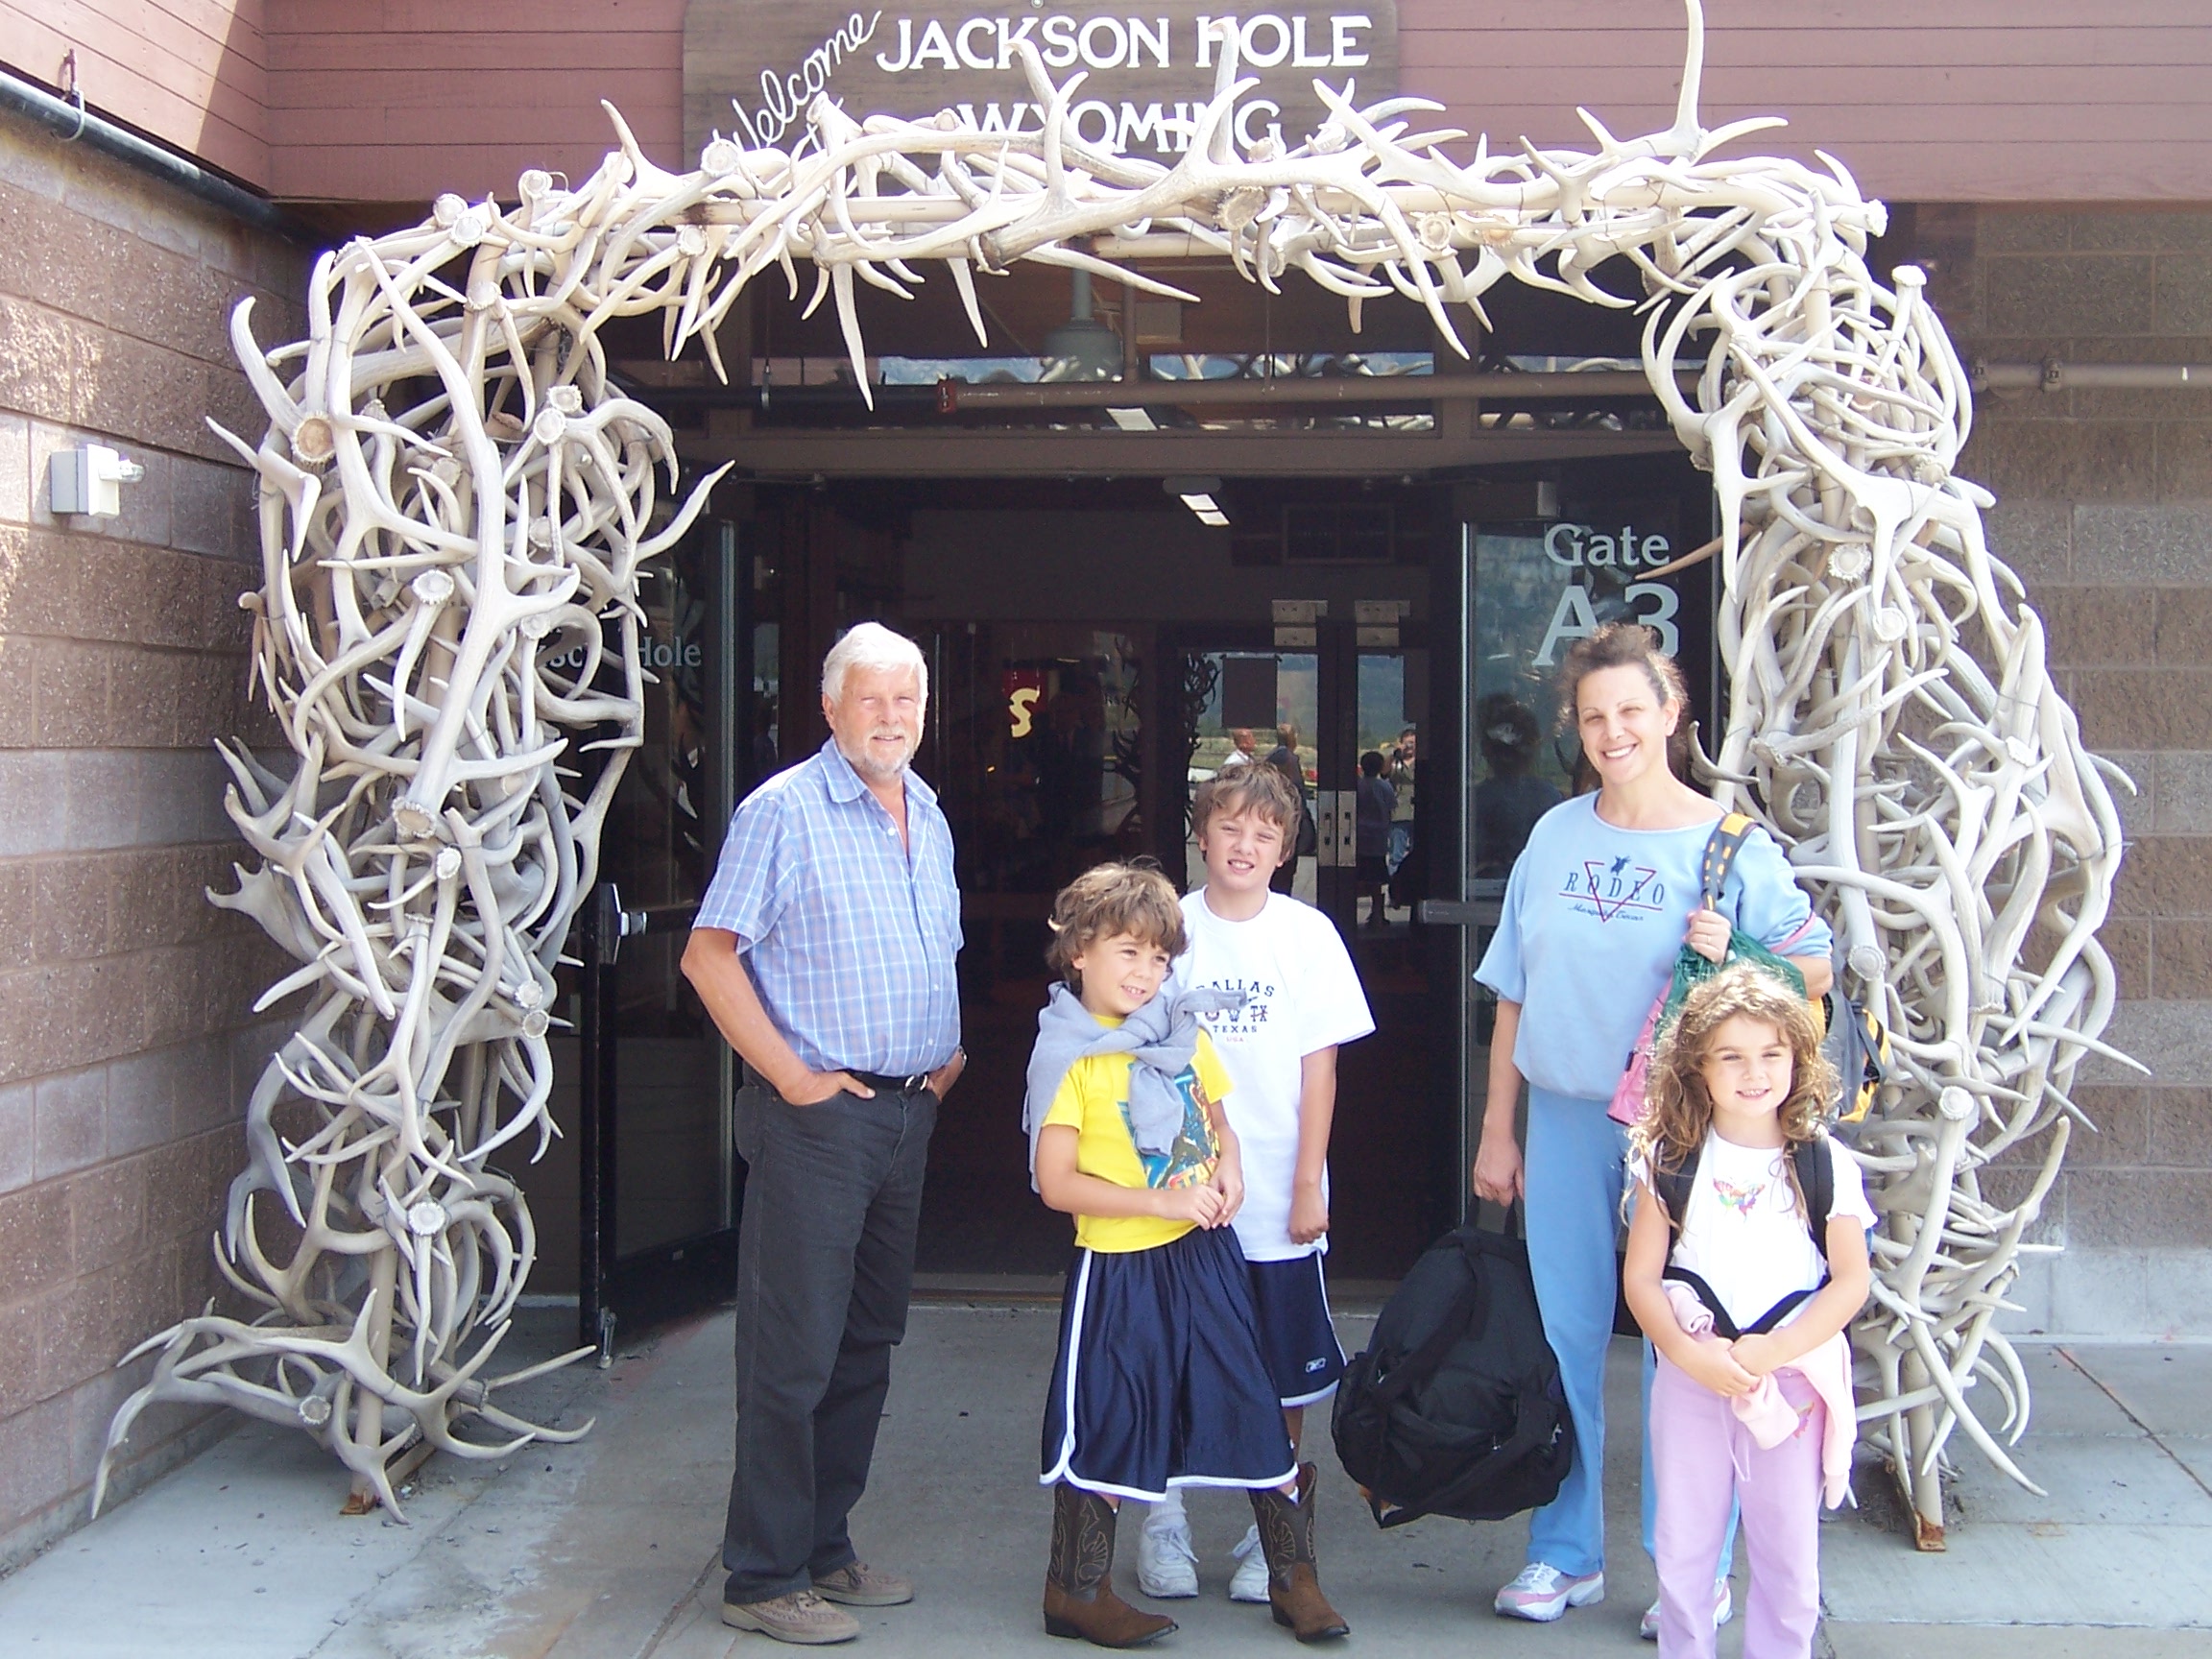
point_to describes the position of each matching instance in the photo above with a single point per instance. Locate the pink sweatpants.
(1701, 1457)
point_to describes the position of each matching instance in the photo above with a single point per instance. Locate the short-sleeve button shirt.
(851, 934)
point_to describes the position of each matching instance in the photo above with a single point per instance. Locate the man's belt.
(874, 1080)
(883, 1084)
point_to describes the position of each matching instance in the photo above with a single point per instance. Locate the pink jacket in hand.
(1770, 1417)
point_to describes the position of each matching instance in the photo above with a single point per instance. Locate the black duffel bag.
(1454, 1408)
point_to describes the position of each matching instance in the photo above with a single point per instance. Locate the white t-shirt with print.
(1302, 994)
(1743, 1233)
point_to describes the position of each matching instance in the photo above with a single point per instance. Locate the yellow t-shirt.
(1093, 1101)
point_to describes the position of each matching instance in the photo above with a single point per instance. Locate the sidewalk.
(605, 1548)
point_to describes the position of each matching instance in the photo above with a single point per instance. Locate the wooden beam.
(1048, 454)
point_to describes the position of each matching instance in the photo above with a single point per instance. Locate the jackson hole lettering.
(1150, 68)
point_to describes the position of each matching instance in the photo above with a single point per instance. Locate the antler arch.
(455, 504)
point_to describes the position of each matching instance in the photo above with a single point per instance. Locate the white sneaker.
(1166, 1566)
(1541, 1593)
(1723, 1610)
(1250, 1581)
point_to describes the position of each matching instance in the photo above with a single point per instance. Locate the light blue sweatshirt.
(1592, 919)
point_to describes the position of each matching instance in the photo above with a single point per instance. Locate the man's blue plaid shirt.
(850, 936)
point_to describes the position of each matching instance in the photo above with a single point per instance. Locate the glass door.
(659, 1185)
(1037, 746)
(1344, 716)
(1528, 589)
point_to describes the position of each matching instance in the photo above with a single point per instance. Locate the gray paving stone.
(2047, 1573)
(2005, 1642)
(2169, 1389)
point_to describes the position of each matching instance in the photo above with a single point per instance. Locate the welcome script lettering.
(933, 47)
(784, 97)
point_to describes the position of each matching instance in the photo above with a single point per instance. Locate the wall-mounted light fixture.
(87, 481)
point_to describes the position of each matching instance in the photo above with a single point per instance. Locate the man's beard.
(877, 771)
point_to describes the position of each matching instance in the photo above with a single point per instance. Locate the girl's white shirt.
(1743, 1233)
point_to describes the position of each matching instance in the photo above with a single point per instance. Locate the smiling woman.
(1599, 903)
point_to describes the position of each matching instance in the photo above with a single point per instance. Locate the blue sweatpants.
(1575, 1161)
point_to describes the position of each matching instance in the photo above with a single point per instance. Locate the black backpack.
(1815, 1180)
(1456, 1408)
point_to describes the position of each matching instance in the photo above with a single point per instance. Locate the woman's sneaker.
(1723, 1610)
(1542, 1593)
(1166, 1566)
(1249, 1582)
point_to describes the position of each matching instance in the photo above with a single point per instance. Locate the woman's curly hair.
(1680, 1107)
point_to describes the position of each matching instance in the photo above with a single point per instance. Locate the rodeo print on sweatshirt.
(1614, 889)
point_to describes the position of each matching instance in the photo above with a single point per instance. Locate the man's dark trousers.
(825, 1268)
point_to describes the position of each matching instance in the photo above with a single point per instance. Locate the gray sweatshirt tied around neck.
(1160, 1038)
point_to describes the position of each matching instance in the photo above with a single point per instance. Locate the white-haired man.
(824, 949)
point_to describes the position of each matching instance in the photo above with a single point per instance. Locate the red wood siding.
(397, 101)
(192, 73)
(1964, 101)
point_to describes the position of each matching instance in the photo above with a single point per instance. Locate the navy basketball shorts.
(1159, 1381)
(1297, 1337)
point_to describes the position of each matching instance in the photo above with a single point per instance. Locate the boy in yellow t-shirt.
(1160, 1382)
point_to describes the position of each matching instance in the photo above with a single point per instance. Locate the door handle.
(1452, 913)
(610, 924)
(1336, 828)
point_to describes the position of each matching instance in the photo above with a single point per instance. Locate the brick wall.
(2105, 509)
(127, 1039)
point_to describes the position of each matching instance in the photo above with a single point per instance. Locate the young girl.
(1752, 1401)
(1160, 1382)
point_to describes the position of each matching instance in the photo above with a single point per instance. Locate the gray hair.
(872, 645)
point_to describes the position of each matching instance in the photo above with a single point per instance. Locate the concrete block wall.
(127, 1036)
(2105, 507)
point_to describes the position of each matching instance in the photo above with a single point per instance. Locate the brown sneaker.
(856, 1584)
(801, 1617)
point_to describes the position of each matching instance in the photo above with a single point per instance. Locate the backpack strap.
(1673, 1188)
(1721, 849)
(1815, 1164)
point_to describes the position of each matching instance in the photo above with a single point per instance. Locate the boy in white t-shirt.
(1302, 999)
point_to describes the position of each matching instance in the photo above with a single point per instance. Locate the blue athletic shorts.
(1297, 1337)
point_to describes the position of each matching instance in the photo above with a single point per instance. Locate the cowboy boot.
(1293, 1587)
(1079, 1599)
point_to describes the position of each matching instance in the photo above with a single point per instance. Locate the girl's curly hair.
(1680, 1110)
